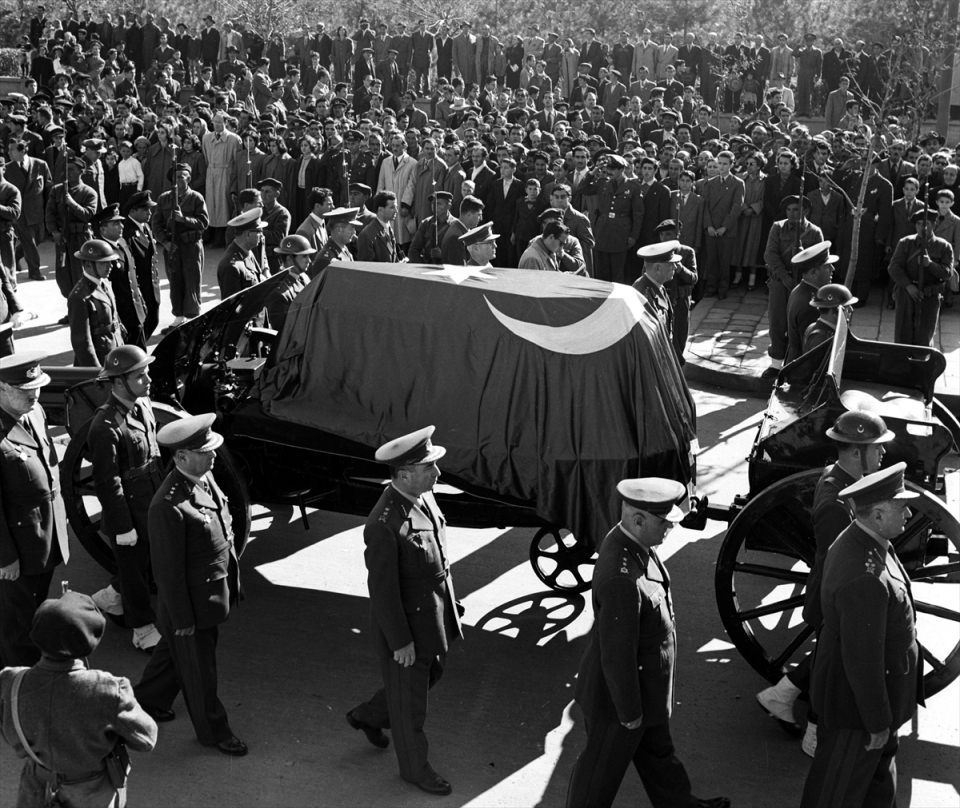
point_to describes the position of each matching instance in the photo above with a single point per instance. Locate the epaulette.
(384, 514)
(871, 564)
(624, 564)
(175, 490)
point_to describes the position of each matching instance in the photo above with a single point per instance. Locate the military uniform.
(658, 302)
(679, 290)
(277, 220)
(33, 529)
(425, 247)
(816, 334)
(11, 203)
(197, 573)
(452, 250)
(800, 314)
(619, 218)
(131, 310)
(143, 249)
(238, 269)
(628, 671)
(916, 322)
(127, 472)
(184, 257)
(95, 328)
(411, 600)
(331, 252)
(70, 214)
(281, 297)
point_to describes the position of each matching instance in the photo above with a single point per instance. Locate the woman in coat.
(748, 257)
(342, 55)
(278, 70)
(514, 55)
(280, 165)
(193, 157)
(160, 160)
(568, 69)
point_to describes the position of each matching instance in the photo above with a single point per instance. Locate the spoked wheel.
(765, 560)
(560, 561)
(83, 507)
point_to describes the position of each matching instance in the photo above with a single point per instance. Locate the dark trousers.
(717, 259)
(8, 256)
(779, 289)
(915, 323)
(184, 270)
(68, 270)
(133, 577)
(611, 266)
(845, 775)
(401, 706)
(599, 770)
(29, 235)
(18, 601)
(681, 321)
(188, 664)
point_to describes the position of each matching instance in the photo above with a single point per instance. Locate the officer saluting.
(95, 328)
(866, 678)
(33, 530)
(414, 611)
(198, 579)
(625, 684)
(126, 474)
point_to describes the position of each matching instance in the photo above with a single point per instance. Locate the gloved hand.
(128, 539)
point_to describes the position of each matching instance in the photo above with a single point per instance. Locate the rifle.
(803, 182)
(176, 200)
(924, 256)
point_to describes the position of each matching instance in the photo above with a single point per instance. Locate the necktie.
(396, 163)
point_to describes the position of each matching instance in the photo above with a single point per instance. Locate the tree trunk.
(857, 220)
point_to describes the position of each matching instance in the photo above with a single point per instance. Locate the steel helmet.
(860, 427)
(97, 251)
(294, 245)
(833, 296)
(123, 360)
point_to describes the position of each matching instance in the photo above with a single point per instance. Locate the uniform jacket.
(722, 201)
(425, 246)
(277, 220)
(782, 245)
(94, 326)
(194, 211)
(800, 314)
(331, 252)
(32, 178)
(195, 565)
(72, 718)
(658, 302)
(374, 243)
(126, 463)
(627, 669)
(408, 575)
(452, 250)
(237, 270)
(71, 214)
(619, 212)
(905, 264)
(34, 525)
(139, 240)
(11, 205)
(865, 675)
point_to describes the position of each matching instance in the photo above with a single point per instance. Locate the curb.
(716, 375)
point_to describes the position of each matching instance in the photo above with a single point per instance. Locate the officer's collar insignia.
(34, 372)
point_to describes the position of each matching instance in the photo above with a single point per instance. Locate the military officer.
(920, 266)
(178, 225)
(127, 471)
(139, 239)
(861, 438)
(414, 611)
(33, 530)
(95, 328)
(131, 310)
(481, 245)
(625, 682)
(619, 217)
(425, 246)
(680, 287)
(70, 209)
(68, 718)
(830, 301)
(866, 679)
(276, 221)
(660, 262)
(342, 224)
(814, 266)
(198, 579)
(297, 255)
(238, 268)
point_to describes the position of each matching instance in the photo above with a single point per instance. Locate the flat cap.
(479, 235)
(413, 449)
(663, 252)
(195, 433)
(248, 220)
(23, 370)
(814, 256)
(342, 216)
(68, 627)
(656, 495)
(881, 486)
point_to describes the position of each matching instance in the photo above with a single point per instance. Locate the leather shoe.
(160, 715)
(433, 783)
(714, 802)
(65, 320)
(374, 734)
(37, 276)
(233, 746)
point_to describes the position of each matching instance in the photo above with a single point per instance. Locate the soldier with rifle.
(425, 246)
(919, 268)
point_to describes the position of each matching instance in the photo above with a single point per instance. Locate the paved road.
(296, 655)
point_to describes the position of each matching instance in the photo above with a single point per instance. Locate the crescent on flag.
(610, 323)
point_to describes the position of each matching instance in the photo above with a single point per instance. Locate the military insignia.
(34, 372)
(870, 565)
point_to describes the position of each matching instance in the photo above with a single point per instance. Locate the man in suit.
(397, 175)
(507, 191)
(131, 310)
(95, 328)
(646, 53)
(377, 241)
(482, 176)
(704, 131)
(689, 54)
(626, 677)
(423, 44)
(139, 240)
(313, 228)
(666, 57)
(452, 249)
(722, 201)
(828, 208)
(240, 267)
(198, 579)
(895, 169)
(836, 106)
(686, 209)
(875, 229)
(276, 220)
(415, 614)
(33, 531)
(781, 59)
(32, 178)
(444, 45)
(464, 54)
(835, 65)
(809, 62)
(619, 217)
(866, 673)
(127, 471)
(11, 207)
(656, 202)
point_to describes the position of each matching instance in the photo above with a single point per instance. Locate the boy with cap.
(866, 673)
(414, 610)
(195, 587)
(64, 719)
(919, 268)
(625, 682)
(815, 266)
(95, 327)
(33, 530)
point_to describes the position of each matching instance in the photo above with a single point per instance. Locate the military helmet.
(860, 427)
(294, 245)
(125, 359)
(833, 296)
(97, 251)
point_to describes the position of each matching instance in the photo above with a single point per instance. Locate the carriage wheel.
(765, 559)
(560, 561)
(83, 507)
